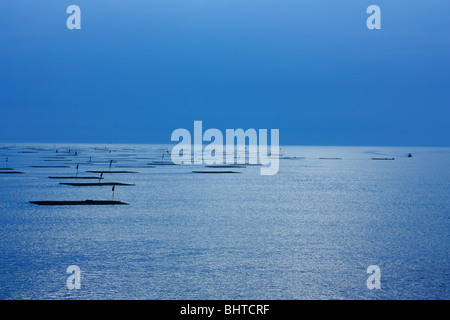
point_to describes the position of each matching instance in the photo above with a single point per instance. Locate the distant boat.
(383, 158)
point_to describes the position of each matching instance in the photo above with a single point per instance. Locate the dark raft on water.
(226, 166)
(50, 166)
(96, 184)
(10, 172)
(78, 203)
(93, 178)
(112, 172)
(215, 172)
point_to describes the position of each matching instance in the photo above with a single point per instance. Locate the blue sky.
(137, 70)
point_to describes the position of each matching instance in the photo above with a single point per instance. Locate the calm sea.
(309, 232)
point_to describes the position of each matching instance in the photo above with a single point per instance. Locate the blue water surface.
(308, 232)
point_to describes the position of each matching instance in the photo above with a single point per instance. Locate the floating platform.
(83, 163)
(112, 171)
(50, 166)
(89, 178)
(383, 158)
(74, 184)
(136, 167)
(95, 162)
(226, 166)
(291, 158)
(215, 172)
(78, 203)
(55, 157)
(162, 163)
(9, 172)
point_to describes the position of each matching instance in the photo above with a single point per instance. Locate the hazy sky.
(139, 69)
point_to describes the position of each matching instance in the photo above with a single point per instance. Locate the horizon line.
(287, 145)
